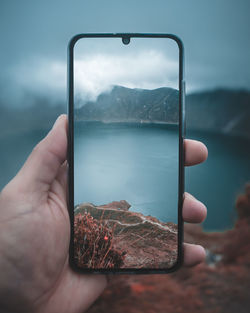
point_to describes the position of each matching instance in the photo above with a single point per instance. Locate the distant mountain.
(132, 105)
(221, 110)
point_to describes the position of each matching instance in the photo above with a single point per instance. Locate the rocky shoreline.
(126, 121)
(144, 241)
(221, 284)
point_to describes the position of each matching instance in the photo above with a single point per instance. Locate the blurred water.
(216, 182)
(219, 180)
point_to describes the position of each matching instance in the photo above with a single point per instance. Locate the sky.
(35, 34)
(100, 64)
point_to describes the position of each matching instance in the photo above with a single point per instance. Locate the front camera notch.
(125, 40)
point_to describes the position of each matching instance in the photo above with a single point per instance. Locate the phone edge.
(70, 153)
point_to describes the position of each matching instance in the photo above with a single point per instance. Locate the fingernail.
(56, 122)
(188, 195)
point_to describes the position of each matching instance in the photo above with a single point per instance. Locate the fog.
(35, 34)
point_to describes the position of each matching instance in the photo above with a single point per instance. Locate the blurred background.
(34, 37)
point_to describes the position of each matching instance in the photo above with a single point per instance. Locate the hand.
(35, 233)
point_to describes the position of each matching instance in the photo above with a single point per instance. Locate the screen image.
(126, 153)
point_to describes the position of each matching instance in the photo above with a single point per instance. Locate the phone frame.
(182, 126)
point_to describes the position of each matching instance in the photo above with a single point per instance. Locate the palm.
(34, 212)
(66, 287)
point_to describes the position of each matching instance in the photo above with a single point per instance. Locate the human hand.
(35, 233)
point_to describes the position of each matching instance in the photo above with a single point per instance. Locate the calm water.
(219, 180)
(133, 162)
(216, 182)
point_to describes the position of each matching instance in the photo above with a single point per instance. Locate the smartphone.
(126, 170)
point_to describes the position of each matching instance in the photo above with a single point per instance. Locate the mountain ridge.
(224, 111)
(221, 110)
(131, 105)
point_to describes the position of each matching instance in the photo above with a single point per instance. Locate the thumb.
(43, 164)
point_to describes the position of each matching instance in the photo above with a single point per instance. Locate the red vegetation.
(220, 285)
(141, 288)
(243, 204)
(93, 244)
(148, 242)
(237, 246)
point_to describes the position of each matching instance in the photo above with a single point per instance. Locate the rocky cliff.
(220, 285)
(131, 105)
(220, 110)
(144, 241)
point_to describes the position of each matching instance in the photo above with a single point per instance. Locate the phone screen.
(125, 124)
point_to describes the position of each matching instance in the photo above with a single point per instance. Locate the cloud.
(40, 76)
(94, 74)
(148, 69)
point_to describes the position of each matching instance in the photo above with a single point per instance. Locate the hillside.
(217, 286)
(132, 105)
(135, 240)
(222, 110)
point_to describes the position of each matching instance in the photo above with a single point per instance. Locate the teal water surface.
(217, 182)
(133, 162)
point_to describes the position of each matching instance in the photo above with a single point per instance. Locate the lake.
(217, 182)
(124, 161)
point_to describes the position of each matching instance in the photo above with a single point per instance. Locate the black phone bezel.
(182, 126)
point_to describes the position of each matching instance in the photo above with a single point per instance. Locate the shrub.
(93, 243)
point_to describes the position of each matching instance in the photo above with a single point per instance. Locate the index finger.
(195, 152)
